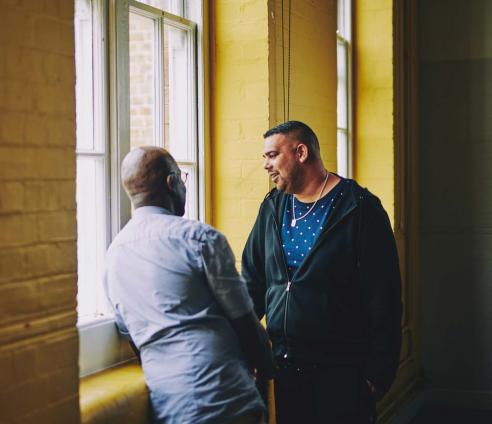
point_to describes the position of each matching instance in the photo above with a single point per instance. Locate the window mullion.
(159, 106)
(192, 90)
(344, 108)
(120, 110)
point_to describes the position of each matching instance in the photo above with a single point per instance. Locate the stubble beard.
(292, 184)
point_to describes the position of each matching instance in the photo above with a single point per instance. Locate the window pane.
(342, 153)
(178, 96)
(342, 89)
(171, 6)
(83, 71)
(191, 211)
(142, 80)
(91, 239)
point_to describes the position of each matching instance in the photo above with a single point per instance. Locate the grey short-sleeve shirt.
(173, 285)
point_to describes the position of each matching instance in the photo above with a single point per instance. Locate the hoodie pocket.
(308, 317)
(275, 305)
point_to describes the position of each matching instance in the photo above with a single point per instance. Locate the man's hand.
(255, 345)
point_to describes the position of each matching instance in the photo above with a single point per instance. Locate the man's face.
(281, 163)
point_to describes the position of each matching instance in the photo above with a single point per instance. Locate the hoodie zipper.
(287, 290)
(321, 238)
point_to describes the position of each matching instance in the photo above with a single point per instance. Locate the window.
(344, 88)
(92, 147)
(137, 83)
(162, 80)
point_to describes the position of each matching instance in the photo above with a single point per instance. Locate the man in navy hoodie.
(321, 263)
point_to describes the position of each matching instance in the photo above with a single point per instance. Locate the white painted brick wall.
(38, 346)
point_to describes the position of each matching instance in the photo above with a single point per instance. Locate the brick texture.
(39, 374)
(240, 90)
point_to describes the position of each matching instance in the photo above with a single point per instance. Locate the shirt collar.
(151, 210)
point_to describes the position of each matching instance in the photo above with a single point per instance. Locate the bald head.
(144, 174)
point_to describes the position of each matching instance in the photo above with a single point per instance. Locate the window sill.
(116, 395)
(100, 346)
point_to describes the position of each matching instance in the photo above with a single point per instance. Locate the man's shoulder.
(187, 229)
(191, 230)
(160, 226)
(273, 197)
(365, 198)
(201, 231)
(359, 191)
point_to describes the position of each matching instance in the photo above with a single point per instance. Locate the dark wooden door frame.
(406, 163)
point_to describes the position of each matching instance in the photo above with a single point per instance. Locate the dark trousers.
(322, 395)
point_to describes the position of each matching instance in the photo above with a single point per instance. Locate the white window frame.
(100, 135)
(345, 150)
(100, 345)
(167, 19)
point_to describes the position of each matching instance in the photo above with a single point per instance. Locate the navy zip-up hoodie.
(342, 306)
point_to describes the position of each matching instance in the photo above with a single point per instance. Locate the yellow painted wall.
(246, 97)
(239, 100)
(373, 72)
(38, 337)
(313, 71)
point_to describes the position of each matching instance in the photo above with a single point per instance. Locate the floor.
(451, 415)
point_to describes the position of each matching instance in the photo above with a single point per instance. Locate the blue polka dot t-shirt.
(299, 239)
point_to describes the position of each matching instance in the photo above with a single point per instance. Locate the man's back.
(174, 287)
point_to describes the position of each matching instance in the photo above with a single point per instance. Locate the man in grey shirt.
(176, 294)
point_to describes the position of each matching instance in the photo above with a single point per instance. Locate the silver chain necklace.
(294, 219)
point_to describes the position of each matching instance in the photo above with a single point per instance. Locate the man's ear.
(170, 182)
(302, 152)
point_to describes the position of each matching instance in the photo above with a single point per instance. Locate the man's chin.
(279, 184)
(282, 187)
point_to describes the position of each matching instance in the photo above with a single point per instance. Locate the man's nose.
(266, 164)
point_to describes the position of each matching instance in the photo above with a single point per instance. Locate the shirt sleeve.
(120, 325)
(225, 283)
